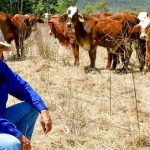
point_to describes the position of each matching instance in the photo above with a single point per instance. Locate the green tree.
(64, 4)
(42, 6)
(88, 9)
(97, 7)
(28, 6)
(101, 7)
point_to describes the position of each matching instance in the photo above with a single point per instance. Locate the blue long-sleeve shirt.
(13, 84)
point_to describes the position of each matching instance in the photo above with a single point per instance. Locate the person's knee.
(10, 142)
(13, 145)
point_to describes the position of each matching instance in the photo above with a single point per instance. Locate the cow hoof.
(107, 67)
(88, 69)
(141, 69)
(112, 68)
(77, 64)
(145, 71)
(122, 71)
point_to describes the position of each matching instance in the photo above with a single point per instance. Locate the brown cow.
(25, 25)
(91, 32)
(65, 36)
(17, 28)
(133, 36)
(9, 28)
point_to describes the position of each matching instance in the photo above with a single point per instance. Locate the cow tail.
(124, 29)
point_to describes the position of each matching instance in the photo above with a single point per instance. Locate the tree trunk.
(21, 7)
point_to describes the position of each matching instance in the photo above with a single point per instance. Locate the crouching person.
(17, 121)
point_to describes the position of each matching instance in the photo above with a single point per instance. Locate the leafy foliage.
(42, 6)
(97, 7)
(59, 6)
(64, 4)
(28, 6)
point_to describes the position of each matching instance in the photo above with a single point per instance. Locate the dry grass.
(79, 102)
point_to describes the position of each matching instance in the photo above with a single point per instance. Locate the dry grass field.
(100, 110)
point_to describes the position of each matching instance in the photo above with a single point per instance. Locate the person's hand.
(25, 143)
(46, 121)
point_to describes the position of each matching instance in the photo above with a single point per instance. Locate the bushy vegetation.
(99, 6)
(59, 6)
(118, 5)
(28, 6)
(64, 4)
(35, 6)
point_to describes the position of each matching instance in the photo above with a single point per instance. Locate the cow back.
(8, 28)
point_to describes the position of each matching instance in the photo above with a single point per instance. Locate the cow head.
(46, 16)
(144, 23)
(142, 16)
(33, 20)
(72, 16)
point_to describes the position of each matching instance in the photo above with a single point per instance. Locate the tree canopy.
(100, 6)
(64, 4)
(28, 6)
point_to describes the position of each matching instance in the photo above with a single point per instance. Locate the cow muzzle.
(143, 36)
(137, 21)
(69, 24)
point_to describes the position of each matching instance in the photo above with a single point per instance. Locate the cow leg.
(92, 55)
(17, 47)
(75, 48)
(22, 46)
(141, 52)
(147, 58)
(22, 50)
(18, 53)
(115, 61)
(124, 57)
(127, 52)
(109, 60)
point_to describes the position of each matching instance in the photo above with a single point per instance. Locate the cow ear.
(63, 18)
(81, 18)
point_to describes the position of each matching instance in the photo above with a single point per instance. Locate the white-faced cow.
(133, 36)
(91, 32)
(144, 24)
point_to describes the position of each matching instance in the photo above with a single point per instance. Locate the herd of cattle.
(112, 31)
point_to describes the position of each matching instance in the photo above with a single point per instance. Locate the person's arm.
(23, 91)
(9, 128)
(5, 125)
(20, 89)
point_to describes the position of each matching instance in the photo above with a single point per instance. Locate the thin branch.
(135, 95)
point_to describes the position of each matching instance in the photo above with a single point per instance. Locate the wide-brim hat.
(7, 46)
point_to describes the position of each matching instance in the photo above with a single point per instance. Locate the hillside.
(120, 5)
